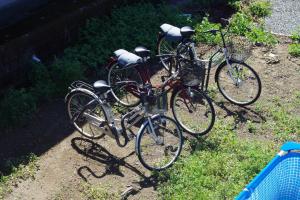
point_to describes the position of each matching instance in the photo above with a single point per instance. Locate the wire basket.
(239, 47)
(192, 72)
(157, 102)
(280, 179)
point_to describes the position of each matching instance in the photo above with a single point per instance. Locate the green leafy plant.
(241, 23)
(14, 169)
(260, 8)
(43, 87)
(16, 107)
(207, 38)
(258, 35)
(294, 48)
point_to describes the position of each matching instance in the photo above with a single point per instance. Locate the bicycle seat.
(187, 31)
(172, 33)
(142, 51)
(101, 86)
(126, 58)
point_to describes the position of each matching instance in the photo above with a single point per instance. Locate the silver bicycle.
(237, 81)
(159, 139)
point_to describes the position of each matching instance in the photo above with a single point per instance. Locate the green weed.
(15, 169)
(260, 8)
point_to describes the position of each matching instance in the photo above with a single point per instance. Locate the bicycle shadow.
(96, 152)
(241, 114)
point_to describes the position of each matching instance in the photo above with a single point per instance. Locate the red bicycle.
(191, 107)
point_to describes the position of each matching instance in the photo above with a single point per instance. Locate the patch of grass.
(260, 8)
(15, 169)
(98, 192)
(220, 167)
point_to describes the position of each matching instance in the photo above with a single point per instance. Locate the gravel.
(285, 16)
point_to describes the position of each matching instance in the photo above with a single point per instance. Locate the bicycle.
(191, 108)
(159, 139)
(239, 76)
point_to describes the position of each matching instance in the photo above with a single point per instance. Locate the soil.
(67, 160)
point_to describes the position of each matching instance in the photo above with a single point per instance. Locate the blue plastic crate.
(279, 180)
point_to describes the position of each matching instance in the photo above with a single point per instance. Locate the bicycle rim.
(89, 122)
(160, 152)
(242, 86)
(117, 78)
(193, 111)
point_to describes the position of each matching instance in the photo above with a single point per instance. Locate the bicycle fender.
(88, 92)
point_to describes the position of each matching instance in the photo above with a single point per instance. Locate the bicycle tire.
(78, 123)
(143, 132)
(115, 90)
(191, 126)
(229, 97)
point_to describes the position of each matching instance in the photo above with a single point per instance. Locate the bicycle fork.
(153, 134)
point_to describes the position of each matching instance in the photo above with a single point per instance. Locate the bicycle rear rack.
(81, 84)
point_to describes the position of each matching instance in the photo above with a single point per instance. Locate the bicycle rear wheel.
(91, 119)
(238, 83)
(122, 90)
(193, 110)
(166, 47)
(158, 150)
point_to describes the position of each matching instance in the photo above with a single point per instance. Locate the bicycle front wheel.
(238, 83)
(159, 143)
(91, 119)
(123, 91)
(193, 110)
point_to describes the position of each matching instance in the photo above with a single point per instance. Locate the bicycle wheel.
(159, 149)
(242, 86)
(89, 122)
(166, 47)
(123, 92)
(193, 110)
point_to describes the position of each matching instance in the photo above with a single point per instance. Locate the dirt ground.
(67, 161)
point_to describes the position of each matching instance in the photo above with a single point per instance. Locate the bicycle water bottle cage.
(126, 58)
(172, 33)
(101, 86)
(187, 31)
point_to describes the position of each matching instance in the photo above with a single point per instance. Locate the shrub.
(294, 50)
(64, 72)
(126, 28)
(43, 87)
(260, 8)
(16, 107)
(259, 36)
(207, 38)
(241, 23)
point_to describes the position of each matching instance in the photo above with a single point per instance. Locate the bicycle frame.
(189, 44)
(100, 99)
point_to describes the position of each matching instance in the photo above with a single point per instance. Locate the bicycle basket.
(192, 72)
(280, 179)
(157, 102)
(239, 48)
